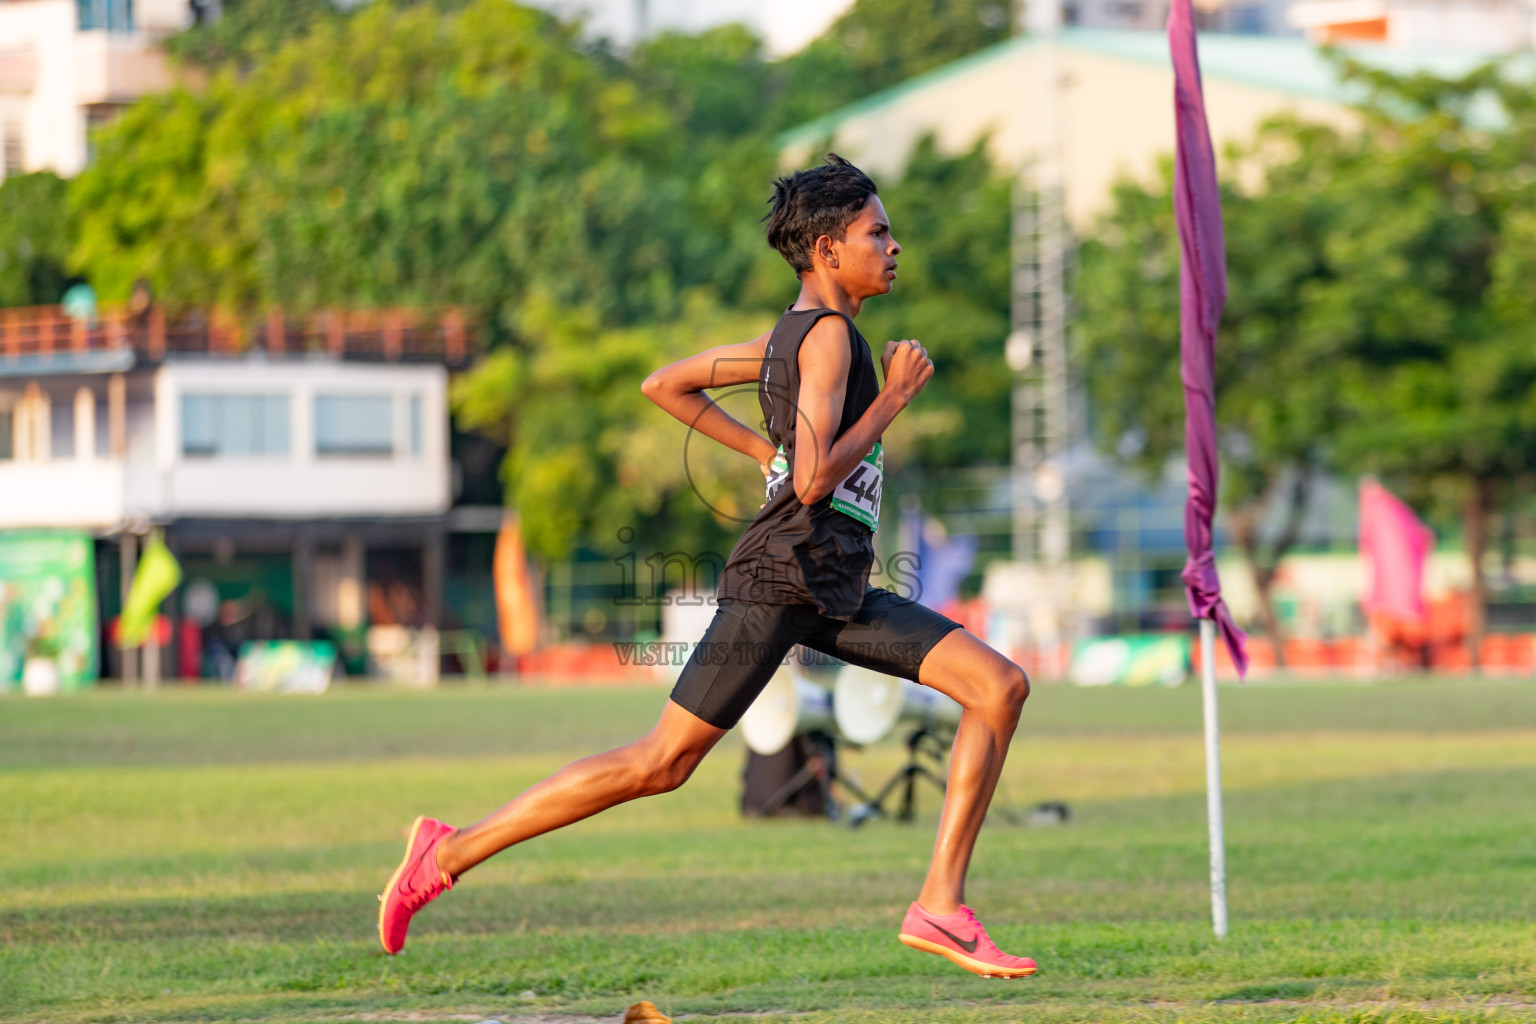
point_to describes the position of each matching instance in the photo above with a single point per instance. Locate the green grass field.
(192, 856)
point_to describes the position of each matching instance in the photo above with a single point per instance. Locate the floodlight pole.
(1036, 350)
(1213, 778)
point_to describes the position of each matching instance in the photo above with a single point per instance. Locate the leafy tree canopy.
(1379, 318)
(1376, 315)
(597, 211)
(246, 31)
(33, 239)
(876, 44)
(401, 156)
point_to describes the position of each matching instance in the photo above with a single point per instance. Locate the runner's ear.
(826, 251)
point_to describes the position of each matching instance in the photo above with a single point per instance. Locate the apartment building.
(67, 65)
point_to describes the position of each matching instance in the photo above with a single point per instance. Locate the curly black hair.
(808, 204)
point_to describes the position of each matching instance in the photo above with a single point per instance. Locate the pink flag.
(1396, 544)
(1202, 294)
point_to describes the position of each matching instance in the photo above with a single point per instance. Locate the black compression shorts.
(747, 642)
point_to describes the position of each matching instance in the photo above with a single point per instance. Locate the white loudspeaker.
(788, 706)
(869, 704)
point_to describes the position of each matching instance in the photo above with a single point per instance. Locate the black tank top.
(794, 553)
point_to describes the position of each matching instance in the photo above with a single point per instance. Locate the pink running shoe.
(416, 882)
(961, 938)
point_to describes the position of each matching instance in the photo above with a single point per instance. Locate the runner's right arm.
(679, 389)
(825, 362)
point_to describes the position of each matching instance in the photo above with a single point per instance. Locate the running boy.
(799, 575)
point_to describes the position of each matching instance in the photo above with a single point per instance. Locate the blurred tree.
(1277, 415)
(1428, 302)
(566, 398)
(34, 239)
(590, 208)
(400, 156)
(590, 455)
(246, 31)
(1379, 314)
(154, 204)
(715, 83)
(876, 44)
(952, 217)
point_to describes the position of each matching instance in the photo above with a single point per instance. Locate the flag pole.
(1213, 777)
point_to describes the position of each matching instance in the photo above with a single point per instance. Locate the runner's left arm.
(679, 389)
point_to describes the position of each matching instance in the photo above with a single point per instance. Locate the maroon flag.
(1202, 294)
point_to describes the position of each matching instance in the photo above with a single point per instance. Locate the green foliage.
(880, 43)
(589, 454)
(1379, 310)
(715, 83)
(1425, 263)
(34, 233)
(404, 156)
(890, 41)
(155, 204)
(1379, 318)
(246, 31)
(951, 216)
(1275, 411)
(598, 214)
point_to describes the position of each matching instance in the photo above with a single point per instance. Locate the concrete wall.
(63, 493)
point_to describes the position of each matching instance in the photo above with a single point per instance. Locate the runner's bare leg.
(658, 763)
(991, 690)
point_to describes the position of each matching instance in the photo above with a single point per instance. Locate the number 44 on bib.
(859, 493)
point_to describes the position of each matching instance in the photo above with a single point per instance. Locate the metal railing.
(377, 334)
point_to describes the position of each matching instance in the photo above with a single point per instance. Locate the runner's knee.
(1015, 686)
(666, 770)
(1006, 690)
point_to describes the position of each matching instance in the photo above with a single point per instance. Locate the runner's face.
(867, 254)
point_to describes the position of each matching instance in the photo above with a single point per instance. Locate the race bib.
(859, 493)
(778, 472)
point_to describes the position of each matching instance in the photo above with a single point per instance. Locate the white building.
(1491, 26)
(314, 462)
(282, 439)
(66, 65)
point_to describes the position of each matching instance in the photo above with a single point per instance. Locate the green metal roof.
(1285, 64)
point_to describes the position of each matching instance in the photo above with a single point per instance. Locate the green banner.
(1156, 659)
(47, 611)
(285, 666)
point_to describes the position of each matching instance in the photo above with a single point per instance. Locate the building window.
(354, 425)
(415, 424)
(112, 15)
(61, 430)
(7, 434)
(234, 425)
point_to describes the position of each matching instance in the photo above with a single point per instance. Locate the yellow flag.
(157, 575)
